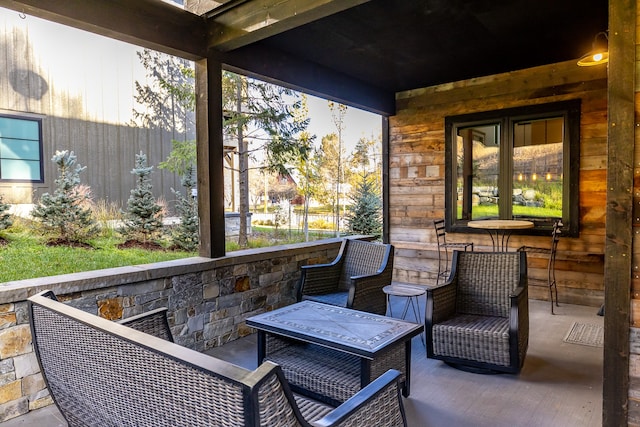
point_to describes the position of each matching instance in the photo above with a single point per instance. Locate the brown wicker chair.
(479, 319)
(101, 373)
(353, 280)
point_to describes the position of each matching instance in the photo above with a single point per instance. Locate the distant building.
(65, 89)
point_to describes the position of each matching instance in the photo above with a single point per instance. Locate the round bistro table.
(500, 230)
(411, 293)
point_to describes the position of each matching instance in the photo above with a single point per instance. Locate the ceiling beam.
(153, 24)
(274, 66)
(239, 23)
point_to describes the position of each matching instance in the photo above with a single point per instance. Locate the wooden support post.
(619, 213)
(210, 157)
(385, 181)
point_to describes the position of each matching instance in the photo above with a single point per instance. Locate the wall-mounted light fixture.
(599, 54)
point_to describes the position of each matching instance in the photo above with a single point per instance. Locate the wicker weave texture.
(320, 279)
(274, 407)
(84, 366)
(152, 323)
(480, 338)
(312, 410)
(480, 316)
(354, 279)
(384, 410)
(393, 358)
(330, 373)
(360, 259)
(485, 281)
(100, 374)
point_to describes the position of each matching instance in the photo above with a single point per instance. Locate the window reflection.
(538, 168)
(478, 149)
(515, 163)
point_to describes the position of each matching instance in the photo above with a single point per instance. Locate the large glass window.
(519, 163)
(20, 149)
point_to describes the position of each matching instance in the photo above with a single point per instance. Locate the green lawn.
(26, 256)
(487, 211)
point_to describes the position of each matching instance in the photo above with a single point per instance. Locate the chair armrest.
(153, 322)
(441, 303)
(518, 293)
(519, 307)
(377, 404)
(519, 323)
(319, 279)
(377, 281)
(366, 294)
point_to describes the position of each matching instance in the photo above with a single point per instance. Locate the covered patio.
(416, 63)
(560, 384)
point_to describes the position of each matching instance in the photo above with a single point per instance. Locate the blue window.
(20, 149)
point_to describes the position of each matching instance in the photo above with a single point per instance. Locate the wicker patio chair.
(101, 373)
(479, 319)
(353, 280)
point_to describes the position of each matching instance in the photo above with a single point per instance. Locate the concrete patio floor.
(560, 384)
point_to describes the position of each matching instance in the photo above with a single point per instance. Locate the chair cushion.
(328, 373)
(311, 409)
(338, 298)
(479, 338)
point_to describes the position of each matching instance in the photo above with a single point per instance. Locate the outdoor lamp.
(599, 54)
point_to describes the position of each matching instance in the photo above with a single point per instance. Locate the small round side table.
(411, 293)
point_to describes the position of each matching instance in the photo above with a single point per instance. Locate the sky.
(119, 67)
(357, 123)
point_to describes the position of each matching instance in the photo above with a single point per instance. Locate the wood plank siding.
(615, 381)
(417, 173)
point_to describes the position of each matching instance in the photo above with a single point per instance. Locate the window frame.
(38, 120)
(506, 118)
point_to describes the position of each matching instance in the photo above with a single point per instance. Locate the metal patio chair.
(444, 247)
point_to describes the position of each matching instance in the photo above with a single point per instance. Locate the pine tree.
(143, 219)
(186, 234)
(5, 216)
(365, 212)
(66, 211)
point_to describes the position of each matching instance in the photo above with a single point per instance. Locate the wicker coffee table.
(331, 352)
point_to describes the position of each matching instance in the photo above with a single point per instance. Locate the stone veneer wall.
(208, 302)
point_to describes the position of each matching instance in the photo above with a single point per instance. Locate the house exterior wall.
(417, 173)
(208, 301)
(82, 87)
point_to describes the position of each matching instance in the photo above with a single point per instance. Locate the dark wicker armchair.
(479, 319)
(353, 280)
(101, 373)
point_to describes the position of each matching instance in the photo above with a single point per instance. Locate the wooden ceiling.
(360, 52)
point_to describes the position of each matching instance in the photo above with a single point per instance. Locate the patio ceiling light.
(599, 54)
